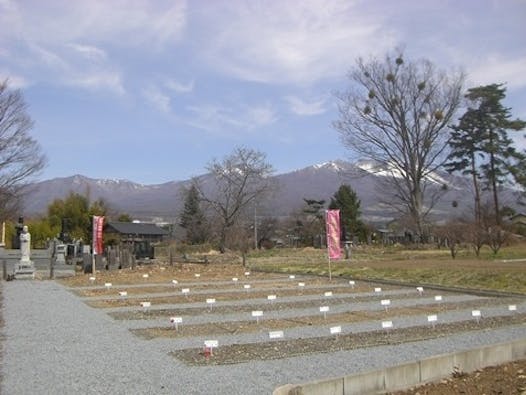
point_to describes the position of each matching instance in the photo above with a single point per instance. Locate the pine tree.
(192, 217)
(465, 143)
(483, 131)
(346, 200)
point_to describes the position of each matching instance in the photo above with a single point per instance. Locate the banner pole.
(330, 272)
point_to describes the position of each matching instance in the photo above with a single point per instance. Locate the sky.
(152, 91)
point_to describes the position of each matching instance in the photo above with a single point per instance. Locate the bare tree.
(236, 182)
(20, 155)
(452, 234)
(397, 113)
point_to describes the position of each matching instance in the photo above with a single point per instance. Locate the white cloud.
(179, 87)
(122, 22)
(280, 42)
(261, 115)
(158, 99)
(302, 107)
(229, 121)
(89, 52)
(101, 80)
(498, 68)
(73, 43)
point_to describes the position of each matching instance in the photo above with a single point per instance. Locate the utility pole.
(255, 227)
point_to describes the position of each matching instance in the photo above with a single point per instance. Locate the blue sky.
(151, 91)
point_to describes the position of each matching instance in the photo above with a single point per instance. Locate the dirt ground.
(506, 379)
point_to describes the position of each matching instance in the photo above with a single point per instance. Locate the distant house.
(519, 219)
(137, 236)
(126, 232)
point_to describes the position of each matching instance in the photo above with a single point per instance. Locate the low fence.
(413, 373)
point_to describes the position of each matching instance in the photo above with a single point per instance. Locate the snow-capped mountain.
(318, 181)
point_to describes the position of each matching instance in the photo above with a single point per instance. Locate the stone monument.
(25, 267)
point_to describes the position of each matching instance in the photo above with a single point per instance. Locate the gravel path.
(55, 344)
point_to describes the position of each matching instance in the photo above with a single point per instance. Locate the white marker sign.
(512, 307)
(256, 314)
(185, 291)
(123, 293)
(211, 343)
(378, 289)
(385, 302)
(176, 321)
(387, 324)
(432, 318)
(324, 309)
(175, 282)
(328, 293)
(301, 285)
(146, 304)
(352, 283)
(197, 275)
(335, 330)
(292, 276)
(476, 314)
(210, 301)
(235, 279)
(92, 278)
(146, 275)
(271, 297)
(108, 285)
(247, 273)
(246, 286)
(438, 298)
(275, 334)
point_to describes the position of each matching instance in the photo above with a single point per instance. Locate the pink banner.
(98, 224)
(333, 234)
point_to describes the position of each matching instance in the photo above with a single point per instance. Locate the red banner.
(98, 224)
(333, 234)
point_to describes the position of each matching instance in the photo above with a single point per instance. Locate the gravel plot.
(56, 344)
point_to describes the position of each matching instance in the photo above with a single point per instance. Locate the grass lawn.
(504, 272)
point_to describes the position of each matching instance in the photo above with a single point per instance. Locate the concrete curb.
(412, 373)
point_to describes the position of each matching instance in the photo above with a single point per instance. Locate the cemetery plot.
(218, 308)
(252, 297)
(238, 353)
(255, 288)
(250, 304)
(324, 318)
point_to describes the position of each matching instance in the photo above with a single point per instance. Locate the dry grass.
(410, 266)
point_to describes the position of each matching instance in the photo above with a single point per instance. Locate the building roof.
(133, 228)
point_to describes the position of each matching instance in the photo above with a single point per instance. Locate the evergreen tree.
(346, 200)
(192, 218)
(314, 227)
(484, 130)
(466, 141)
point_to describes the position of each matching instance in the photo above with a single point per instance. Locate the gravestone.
(25, 268)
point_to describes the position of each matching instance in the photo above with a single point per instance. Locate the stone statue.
(25, 245)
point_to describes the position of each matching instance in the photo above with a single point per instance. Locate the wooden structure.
(136, 236)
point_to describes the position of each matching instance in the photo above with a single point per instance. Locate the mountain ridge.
(318, 181)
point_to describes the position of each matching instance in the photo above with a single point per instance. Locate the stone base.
(25, 271)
